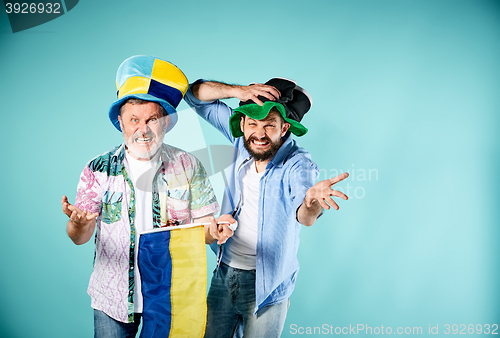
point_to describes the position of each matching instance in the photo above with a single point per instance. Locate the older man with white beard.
(137, 186)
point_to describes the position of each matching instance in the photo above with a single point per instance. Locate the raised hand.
(81, 223)
(252, 92)
(76, 215)
(322, 192)
(212, 90)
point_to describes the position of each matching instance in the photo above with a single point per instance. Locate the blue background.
(407, 90)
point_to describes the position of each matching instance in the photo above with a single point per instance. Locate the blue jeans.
(107, 327)
(231, 304)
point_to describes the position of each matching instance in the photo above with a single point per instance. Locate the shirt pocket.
(178, 210)
(111, 211)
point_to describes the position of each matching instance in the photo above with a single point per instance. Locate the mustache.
(265, 138)
(141, 134)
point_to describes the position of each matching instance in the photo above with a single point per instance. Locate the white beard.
(144, 154)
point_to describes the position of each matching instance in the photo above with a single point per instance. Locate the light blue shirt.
(288, 176)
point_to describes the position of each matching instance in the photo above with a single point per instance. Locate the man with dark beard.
(270, 192)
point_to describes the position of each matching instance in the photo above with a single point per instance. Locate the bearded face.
(262, 138)
(143, 128)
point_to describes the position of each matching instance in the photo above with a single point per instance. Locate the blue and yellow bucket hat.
(151, 79)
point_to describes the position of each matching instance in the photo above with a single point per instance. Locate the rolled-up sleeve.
(88, 196)
(203, 200)
(303, 176)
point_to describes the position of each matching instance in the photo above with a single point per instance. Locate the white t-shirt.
(241, 251)
(141, 173)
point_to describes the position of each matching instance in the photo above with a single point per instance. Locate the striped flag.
(172, 264)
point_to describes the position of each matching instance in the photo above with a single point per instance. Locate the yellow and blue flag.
(172, 264)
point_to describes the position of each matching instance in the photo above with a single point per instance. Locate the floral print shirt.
(181, 191)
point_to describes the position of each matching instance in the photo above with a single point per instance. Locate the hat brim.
(114, 111)
(256, 112)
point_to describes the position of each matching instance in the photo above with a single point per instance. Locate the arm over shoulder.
(215, 112)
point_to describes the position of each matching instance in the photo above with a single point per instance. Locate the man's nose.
(144, 128)
(260, 132)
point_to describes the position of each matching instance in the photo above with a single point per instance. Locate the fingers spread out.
(323, 204)
(256, 100)
(332, 203)
(65, 206)
(74, 216)
(339, 178)
(273, 91)
(66, 209)
(78, 216)
(276, 92)
(322, 192)
(339, 194)
(271, 95)
(269, 92)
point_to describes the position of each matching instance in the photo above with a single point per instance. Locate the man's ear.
(120, 120)
(242, 122)
(285, 128)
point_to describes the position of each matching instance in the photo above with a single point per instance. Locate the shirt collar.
(165, 155)
(285, 149)
(120, 153)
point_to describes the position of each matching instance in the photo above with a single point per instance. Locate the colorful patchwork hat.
(293, 104)
(151, 79)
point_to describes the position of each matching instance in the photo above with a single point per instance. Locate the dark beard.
(268, 154)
